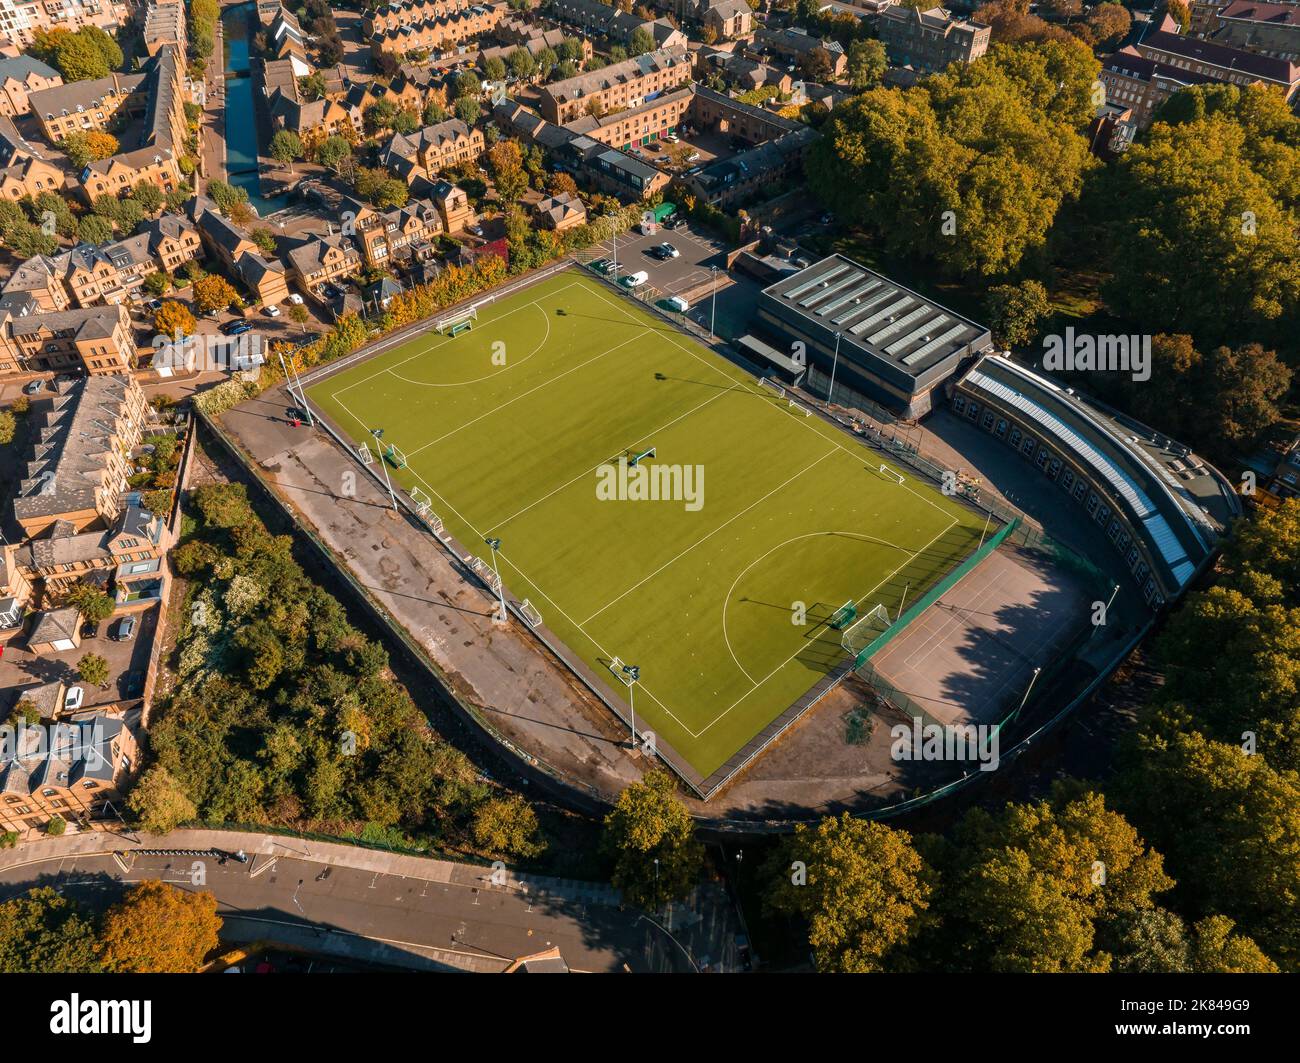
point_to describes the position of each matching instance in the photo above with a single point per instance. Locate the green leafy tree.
(468, 85)
(495, 68)
(1201, 220)
(92, 603)
(651, 838)
(859, 885)
(149, 196)
(507, 826)
(468, 110)
(94, 229)
(286, 147)
(93, 669)
(1036, 887)
(1014, 311)
(867, 63)
(642, 41)
(970, 167)
(42, 932)
(80, 59)
(159, 802)
(1227, 821)
(8, 426)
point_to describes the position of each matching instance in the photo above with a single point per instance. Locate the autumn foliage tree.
(159, 929)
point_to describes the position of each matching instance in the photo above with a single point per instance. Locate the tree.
(651, 838)
(507, 826)
(26, 240)
(42, 932)
(1014, 311)
(226, 196)
(867, 63)
(94, 229)
(1180, 13)
(312, 87)
(468, 85)
(157, 928)
(1109, 23)
(92, 603)
(211, 293)
(642, 41)
(159, 802)
(8, 426)
(332, 153)
(79, 59)
(859, 885)
(285, 147)
(434, 112)
(970, 167)
(379, 116)
(1227, 821)
(495, 68)
(1217, 950)
(172, 318)
(84, 146)
(505, 161)
(1201, 224)
(149, 196)
(299, 316)
(265, 240)
(1037, 887)
(156, 284)
(93, 669)
(816, 64)
(468, 110)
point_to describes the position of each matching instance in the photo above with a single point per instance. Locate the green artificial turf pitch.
(706, 600)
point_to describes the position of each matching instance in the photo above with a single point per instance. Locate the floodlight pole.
(378, 433)
(302, 396)
(713, 300)
(1032, 678)
(834, 365)
(495, 545)
(633, 672)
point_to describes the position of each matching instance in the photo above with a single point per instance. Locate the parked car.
(657, 251)
(295, 299)
(669, 251)
(72, 699)
(272, 311)
(679, 304)
(634, 280)
(122, 629)
(154, 304)
(236, 328)
(672, 138)
(33, 387)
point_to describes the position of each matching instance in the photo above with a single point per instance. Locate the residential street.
(382, 908)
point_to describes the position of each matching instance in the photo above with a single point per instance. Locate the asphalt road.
(380, 918)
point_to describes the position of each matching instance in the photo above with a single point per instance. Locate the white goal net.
(530, 612)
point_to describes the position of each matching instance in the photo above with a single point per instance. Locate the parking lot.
(127, 662)
(670, 276)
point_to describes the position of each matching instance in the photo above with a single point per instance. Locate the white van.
(679, 304)
(635, 280)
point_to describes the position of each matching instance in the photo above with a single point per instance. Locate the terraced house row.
(90, 275)
(620, 85)
(440, 33)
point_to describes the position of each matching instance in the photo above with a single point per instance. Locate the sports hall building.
(894, 346)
